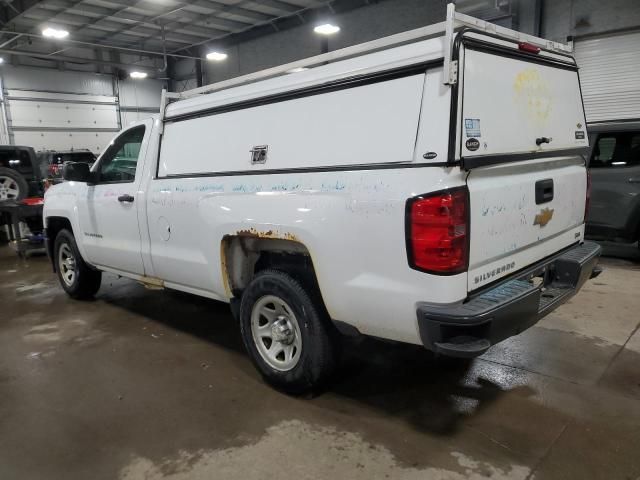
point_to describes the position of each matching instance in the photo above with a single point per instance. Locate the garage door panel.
(94, 141)
(27, 113)
(55, 96)
(610, 76)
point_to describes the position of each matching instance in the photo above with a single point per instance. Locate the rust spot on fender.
(151, 283)
(254, 233)
(223, 270)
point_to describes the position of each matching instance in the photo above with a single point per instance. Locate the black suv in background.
(51, 162)
(614, 212)
(20, 173)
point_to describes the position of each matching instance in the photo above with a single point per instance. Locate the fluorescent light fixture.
(1, 60)
(216, 56)
(297, 70)
(326, 29)
(138, 75)
(56, 33)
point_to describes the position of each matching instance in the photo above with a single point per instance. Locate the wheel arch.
(242, 256)
(53, 225)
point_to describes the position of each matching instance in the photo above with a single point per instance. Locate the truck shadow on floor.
(178, 311)
(431, 394)
(620, 253)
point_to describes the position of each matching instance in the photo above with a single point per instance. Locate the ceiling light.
(138, 75)
(327, 29)
(55, 33)
(297, 70)
(216, 56)
(1, 60)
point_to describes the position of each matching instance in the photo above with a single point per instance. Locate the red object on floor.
(33, 201)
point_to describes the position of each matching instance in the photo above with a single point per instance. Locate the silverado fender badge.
(543, 217)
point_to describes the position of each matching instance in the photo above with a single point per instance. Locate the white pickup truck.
(428, 187)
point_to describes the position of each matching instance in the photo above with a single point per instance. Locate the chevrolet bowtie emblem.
(543, 217)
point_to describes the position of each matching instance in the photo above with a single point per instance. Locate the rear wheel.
(76, 278)
(13, 186)
(288, 336)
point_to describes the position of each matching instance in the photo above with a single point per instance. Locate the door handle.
(126, 198)
(634, 180)
(541, 140)
(544, 191)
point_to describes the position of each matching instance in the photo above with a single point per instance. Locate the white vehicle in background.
(427, 188)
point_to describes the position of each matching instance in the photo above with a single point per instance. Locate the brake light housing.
(437, 232)
(529, 47)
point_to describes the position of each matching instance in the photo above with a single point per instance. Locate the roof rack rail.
(454, 22)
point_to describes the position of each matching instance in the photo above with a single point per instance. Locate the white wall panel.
(610, 76)
(52, 140)
(129, 116)
(140, 93)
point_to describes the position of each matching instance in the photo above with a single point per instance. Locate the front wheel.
(288, 336)
(76, 278)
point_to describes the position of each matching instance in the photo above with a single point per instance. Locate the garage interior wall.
(373, 21)
(138, 99)
(554, 19)
(64, 110)
(54, 108)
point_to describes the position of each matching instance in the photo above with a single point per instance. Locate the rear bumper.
(469, 329)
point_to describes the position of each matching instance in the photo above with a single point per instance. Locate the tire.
(293, 323)
(76, 278)
(13, 186)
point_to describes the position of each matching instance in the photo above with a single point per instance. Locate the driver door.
(108, 213)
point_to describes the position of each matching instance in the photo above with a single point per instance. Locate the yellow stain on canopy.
(533, 95)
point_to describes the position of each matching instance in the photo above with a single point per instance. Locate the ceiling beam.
(84, 44)
(112, 28)
(155, 21)
(76, 60)
(298, 12)
(9, 12)
(213, 17)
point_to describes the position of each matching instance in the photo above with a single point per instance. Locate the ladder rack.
(454, 22)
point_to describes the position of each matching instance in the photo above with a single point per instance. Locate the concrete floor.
(146, 385)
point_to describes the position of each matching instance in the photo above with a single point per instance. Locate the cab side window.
(614, 150)
(119, 162)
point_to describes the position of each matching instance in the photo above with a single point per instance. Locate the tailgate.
(521, 135)
(521, 213)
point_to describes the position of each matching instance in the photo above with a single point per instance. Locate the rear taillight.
(438, 232)
(54, 169)
(587, 200)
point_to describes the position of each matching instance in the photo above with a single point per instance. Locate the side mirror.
(77, 172)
